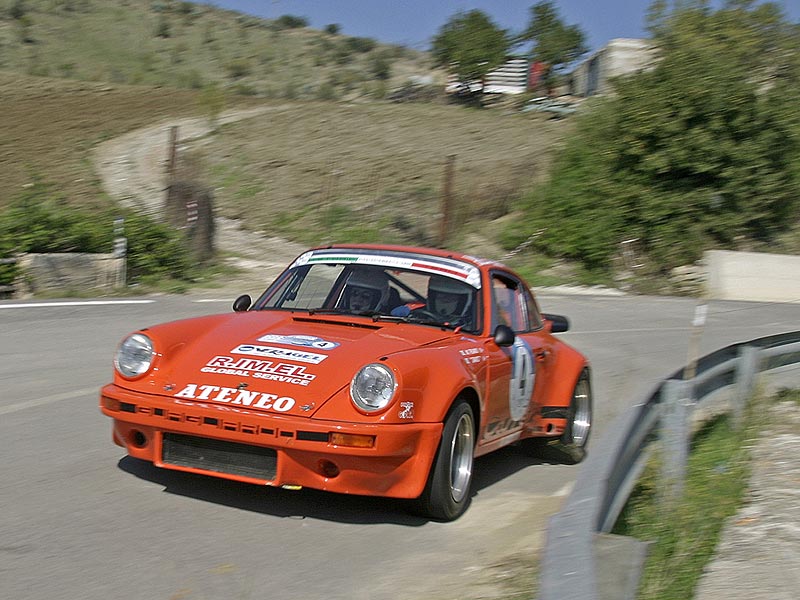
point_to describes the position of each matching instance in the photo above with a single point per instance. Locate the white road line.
(93, 392)
(624, 330)
(75, 303)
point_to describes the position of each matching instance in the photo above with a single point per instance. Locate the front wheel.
(447, 493)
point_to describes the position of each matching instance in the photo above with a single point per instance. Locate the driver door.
(515, 372)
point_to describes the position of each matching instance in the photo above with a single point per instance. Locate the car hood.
(291, 363)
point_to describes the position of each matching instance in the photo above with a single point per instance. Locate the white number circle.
(523, 373)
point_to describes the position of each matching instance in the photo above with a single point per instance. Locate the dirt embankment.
(132, 168)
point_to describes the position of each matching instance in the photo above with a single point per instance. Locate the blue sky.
(414, 22)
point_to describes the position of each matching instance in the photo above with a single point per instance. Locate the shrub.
(41, 220)
(238, 68)
(361, 44)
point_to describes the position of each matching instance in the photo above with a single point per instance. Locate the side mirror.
(558, 323)
(242, 303)
(504, 336)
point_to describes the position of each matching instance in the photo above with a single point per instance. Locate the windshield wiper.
(378, 316)
(342, 311)
(328, 311)
(415, 320)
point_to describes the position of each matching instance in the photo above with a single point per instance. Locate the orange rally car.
(363, 369)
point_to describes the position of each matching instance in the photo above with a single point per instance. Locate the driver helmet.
(366, 289)
(448, 298)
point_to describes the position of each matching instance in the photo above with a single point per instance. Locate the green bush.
(692, 154)
(291, 22)
(361, 44)
(40, 220)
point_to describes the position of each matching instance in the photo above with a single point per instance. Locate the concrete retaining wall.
(68, 272)
(752, 276)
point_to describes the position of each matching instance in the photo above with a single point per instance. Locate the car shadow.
(273, 501)
(505, 462)
(316, 504)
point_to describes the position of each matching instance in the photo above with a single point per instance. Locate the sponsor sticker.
(473, 355)
(305, 341)
(279, 353)
(406, 410)
(259, 369)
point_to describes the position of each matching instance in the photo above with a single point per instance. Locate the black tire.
(570, 448)
(448, 491)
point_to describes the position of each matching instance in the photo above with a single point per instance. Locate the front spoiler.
(396, 465)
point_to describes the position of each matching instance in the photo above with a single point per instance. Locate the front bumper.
(305, 451)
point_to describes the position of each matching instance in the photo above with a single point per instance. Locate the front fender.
(428, 379)
(433, 377)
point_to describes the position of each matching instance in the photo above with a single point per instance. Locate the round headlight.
(372, 389)
(134, 356)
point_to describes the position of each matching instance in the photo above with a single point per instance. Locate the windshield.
(388, 293)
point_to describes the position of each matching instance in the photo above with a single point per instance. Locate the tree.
(291, 22)
(471, 45)
(698, 152)
(554, 44)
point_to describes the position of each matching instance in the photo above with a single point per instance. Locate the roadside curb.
(758, 555)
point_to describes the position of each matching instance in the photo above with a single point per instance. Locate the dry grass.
(362, 170)
(325, 172)
(50, 125)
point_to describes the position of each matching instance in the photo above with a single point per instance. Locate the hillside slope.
(189, 45)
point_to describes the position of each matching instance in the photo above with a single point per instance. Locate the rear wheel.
(447, 492)
(571, 446)
(579, 423)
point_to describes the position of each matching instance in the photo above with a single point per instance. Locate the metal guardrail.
(581, 561)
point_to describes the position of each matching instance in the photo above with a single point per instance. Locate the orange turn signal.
(353, 440)
(110, 403)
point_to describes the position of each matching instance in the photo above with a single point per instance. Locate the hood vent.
(370, 326)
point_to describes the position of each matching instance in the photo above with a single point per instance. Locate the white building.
(509, 78)
(619, 57)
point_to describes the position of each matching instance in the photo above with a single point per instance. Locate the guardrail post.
(675, 436)
(746, 370)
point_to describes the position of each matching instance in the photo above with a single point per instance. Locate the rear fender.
(569, 364)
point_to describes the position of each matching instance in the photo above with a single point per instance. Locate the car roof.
(455, 265)
(434, 252)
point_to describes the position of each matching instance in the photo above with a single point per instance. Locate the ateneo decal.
(227, 395)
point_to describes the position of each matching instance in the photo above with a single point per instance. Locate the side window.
(534, 316)
(513, 305)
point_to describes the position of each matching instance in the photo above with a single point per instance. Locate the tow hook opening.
(137, 438)
(328, 468)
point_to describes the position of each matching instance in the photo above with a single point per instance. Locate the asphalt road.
(79, 520)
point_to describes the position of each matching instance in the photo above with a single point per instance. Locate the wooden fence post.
(447, 200)
(172, 154)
